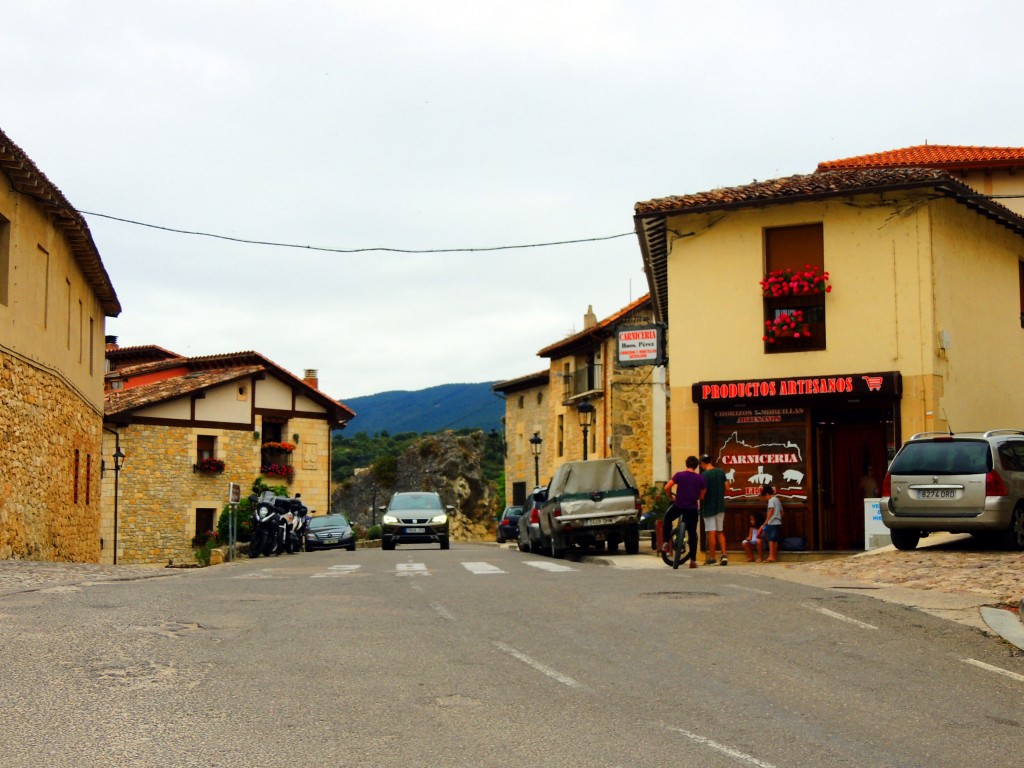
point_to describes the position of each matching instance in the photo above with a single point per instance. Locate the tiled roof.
(204, 372)
(121, 400)
(948, 156)
(652, 215)
(522, 382)
(791, 188)
(27, 179)
(600, 330)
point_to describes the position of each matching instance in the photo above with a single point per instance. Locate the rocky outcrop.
(446, 463)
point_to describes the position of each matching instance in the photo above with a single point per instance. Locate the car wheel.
(633, 540)
(524, 546)
(501, 539)
(1015, 535)
(445, 543)
(351, 547)
(613, 546)
(557, 550)
(904, 539)
(387, 543)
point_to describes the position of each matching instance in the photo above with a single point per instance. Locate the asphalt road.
(483, 656)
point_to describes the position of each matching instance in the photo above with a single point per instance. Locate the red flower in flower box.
(795, 282)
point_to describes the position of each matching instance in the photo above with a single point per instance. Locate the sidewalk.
(948, 575)
(34, 576)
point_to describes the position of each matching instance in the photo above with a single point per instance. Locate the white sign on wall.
(641, 345)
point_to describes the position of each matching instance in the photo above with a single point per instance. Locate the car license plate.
(937, 493)
(415, 530)
(330, 541)
(593, 521)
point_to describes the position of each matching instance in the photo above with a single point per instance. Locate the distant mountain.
(448, 406)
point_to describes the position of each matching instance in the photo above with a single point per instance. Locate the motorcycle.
(266, 525)
(278, 524)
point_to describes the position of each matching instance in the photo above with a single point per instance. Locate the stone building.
(841, 312)
(54, 297)
(626, 405)
(190, 426)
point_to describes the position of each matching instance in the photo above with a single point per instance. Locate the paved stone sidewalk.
(30, 576)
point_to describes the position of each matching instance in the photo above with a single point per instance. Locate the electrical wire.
(353, 250)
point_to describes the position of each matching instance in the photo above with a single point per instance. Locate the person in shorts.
(712, 508)
(771, 531)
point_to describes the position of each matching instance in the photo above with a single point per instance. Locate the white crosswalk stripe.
(482, 568)
(545, 565)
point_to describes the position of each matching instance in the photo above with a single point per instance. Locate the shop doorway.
(850, 462)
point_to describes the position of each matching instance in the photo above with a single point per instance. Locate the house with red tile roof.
(189, 426)
(55, 296)
(625, 402)
(839, 312)
(997, 172)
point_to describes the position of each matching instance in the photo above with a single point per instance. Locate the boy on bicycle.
(686, 489)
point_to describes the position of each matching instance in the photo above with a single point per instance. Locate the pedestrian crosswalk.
(412, 570)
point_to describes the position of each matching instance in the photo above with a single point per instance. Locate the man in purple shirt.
(686, 489)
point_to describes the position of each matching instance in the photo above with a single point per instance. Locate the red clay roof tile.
(948, 156)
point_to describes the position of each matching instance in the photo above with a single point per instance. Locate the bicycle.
(680, 549)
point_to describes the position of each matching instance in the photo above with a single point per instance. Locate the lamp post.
(535, 442)
(118, 463)
(586, 414)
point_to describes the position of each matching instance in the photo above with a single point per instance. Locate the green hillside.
(447, 406)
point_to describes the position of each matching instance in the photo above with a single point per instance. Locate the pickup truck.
(591, 504)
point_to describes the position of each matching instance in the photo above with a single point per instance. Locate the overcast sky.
(420, 125)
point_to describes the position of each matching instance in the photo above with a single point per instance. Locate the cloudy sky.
(452, 125)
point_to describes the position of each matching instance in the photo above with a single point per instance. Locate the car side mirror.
(449, 507)
(382, 508)
(541, 496)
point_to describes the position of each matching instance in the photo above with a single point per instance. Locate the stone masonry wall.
(160, 492)
(42, 423)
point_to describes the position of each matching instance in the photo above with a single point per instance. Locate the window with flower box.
(794, 289)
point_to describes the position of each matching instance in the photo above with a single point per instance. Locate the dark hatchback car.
(508, 524)
(415, 518)
(330, 531)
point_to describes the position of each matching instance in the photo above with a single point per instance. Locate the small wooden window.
(206, 447)
(795, 248)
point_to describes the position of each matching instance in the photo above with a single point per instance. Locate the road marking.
(544, 670)
(997, 670)
(834, 615)
(544, 565)
(336, 570)
(266, 573)
(481, 568)
(725, 750)
(411, 569)
(749, 589)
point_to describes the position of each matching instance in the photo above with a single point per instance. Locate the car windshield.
(513, 512)
(415, 501)
(327, 521)
(943, 457)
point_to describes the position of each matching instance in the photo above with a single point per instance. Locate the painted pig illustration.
(793, 476)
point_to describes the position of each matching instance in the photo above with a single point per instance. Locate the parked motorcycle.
(278, 524)
(266, 525)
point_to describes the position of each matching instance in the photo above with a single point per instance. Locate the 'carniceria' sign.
(641, 345)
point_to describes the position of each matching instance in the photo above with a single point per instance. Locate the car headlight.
(440, 519)
(389, 520)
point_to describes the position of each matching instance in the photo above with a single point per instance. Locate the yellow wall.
(52, 318)
(882, 313)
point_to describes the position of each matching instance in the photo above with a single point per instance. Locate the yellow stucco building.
(54, 297)
(827, 317)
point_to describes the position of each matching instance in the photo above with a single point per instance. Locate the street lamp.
(118, 463)
(586, 414)
(535, 442)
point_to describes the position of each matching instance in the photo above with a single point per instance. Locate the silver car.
(963, 483)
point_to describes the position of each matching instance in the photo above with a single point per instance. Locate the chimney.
(589, 319)
(111, 342)
(312, 377)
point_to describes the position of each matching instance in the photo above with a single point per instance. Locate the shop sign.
(856, 385)
(641, 345)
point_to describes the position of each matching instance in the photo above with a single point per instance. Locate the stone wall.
(43, 422)
(160, 492)
(446, 463)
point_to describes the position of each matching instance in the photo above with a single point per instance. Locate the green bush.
(202, 552)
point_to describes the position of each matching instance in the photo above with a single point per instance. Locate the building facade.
(190, 426)
(840, 312)
(54, 297)
(629, 406)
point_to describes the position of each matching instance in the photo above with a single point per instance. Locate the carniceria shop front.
(823, 443)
